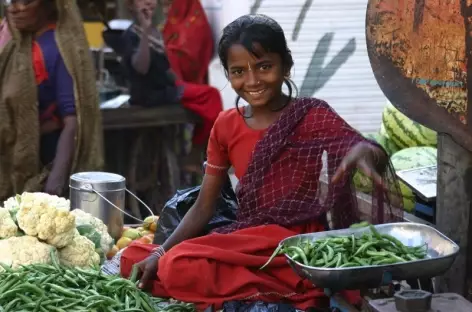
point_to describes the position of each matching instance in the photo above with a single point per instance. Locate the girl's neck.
(273, 107)
(263, 117)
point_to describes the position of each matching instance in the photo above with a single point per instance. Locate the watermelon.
(410, 158)
(414, 157)
(405, 132)
(383, 132)
(362, 182)
(389, 146)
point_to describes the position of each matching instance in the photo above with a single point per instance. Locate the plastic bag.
(95, 237)
(90, 232)
(176, 208)
(238, 306)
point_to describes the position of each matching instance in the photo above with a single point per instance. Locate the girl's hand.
(367, 158)
(148, 268)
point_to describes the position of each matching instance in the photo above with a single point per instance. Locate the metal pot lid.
(99, 181)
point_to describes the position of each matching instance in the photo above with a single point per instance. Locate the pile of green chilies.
(52, 288)
(370, 249)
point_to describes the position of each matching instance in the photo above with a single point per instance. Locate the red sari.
(278, 197)
(189, 41)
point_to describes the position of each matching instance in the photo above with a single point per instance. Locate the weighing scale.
(423, 182)
(440, 256)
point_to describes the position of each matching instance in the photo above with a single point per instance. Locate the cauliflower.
(25, 250)
(84, 218)
(8, 227)
(39, 217)
(79, 253)
(14, 202)
(62, 240)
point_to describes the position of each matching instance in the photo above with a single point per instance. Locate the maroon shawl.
(281, 185)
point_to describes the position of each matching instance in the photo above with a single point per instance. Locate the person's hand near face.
(144, 10)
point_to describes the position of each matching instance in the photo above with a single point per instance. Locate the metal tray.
(440, 256)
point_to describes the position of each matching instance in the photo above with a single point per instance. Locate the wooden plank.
(453, 209)
(140, 117)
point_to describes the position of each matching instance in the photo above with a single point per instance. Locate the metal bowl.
(440, 256)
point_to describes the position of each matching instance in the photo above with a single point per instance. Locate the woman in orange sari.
(188, 39)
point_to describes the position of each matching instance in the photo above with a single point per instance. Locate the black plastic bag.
(176, 208)
(238, 306)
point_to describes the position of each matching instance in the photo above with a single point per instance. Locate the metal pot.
(103, 195)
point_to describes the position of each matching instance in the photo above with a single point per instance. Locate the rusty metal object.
(413, 301)
(419, 52)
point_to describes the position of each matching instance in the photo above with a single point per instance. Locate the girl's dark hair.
(248, 30)
(51, 8)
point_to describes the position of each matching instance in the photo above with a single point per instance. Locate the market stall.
(147, 146)
(55, 264)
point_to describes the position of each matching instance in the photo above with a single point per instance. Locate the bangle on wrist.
(158, 251)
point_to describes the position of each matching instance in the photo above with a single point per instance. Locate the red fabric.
(39, 65)
(189, 41)
(40, 71)
(217, 268)
(231, 145)
(281, 184)
(206, 102)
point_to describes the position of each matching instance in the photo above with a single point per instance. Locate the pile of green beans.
(370, 249)
(52, 288)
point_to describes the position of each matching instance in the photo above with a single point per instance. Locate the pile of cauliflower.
(33, 224)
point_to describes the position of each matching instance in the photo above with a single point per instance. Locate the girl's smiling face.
(256, 58)
(256, 79)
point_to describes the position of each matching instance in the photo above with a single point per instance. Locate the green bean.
(364, 247)
(298, 251)
(333, 262)
(349, 265)
(354, 250)
(339, 261)
(360, 225)
(62, 290)
(274, 254)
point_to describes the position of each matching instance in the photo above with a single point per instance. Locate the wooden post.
(453, 210)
